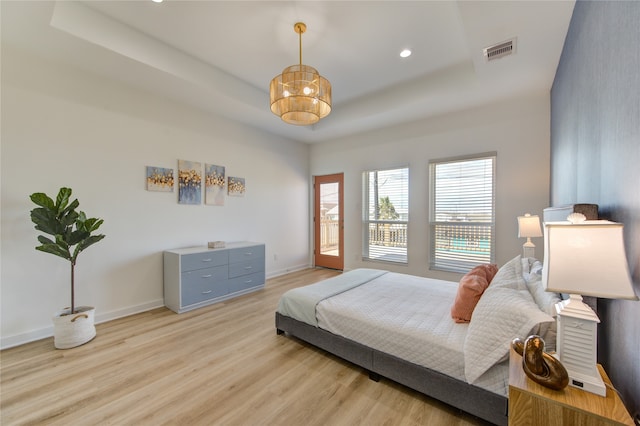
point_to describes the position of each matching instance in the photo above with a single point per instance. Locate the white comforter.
(402, 315)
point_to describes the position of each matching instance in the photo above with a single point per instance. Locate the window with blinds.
(462, 212)
(385, 215)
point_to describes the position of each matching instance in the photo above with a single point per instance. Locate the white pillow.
(510, 275)
(546, 300)
(536, 269)
(531, 269)
(502, 314)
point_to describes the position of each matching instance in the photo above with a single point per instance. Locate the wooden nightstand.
(534, 404)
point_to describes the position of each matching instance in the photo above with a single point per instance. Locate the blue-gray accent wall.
(595, 157)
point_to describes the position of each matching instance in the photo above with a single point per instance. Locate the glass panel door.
(328, 221)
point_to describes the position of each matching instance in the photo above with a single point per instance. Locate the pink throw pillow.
(471, 287)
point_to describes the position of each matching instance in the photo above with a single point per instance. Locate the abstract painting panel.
(236, 187)
(159, 179)
(214, 182)
(189, 182)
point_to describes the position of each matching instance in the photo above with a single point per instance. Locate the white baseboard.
(31, 336)
(43, 333)
(119, 313)
(288, 270)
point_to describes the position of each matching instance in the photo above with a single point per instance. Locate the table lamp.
(528, 227)
(583, 258)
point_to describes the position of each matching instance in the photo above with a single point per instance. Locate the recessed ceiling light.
(405, 53)
(157, 1)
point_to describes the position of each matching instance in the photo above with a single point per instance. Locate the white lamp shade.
(586, 258)
(529, 226)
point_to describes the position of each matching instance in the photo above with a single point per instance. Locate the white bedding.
(300, 303)
(408, 317)
(402, 315)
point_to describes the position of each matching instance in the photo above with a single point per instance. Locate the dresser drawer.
(246, 253)
(208, 274)
(207, 259)
(246, 267)
(246, 282)
(204, 284)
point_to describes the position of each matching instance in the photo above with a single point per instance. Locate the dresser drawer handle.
(248, 253)
(248, 267)
(206, 292)
(206, 276)
(207, 260)
(248, 281)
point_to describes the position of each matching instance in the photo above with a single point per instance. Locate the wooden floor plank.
(218, 365)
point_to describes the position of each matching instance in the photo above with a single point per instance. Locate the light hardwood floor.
(218, 365)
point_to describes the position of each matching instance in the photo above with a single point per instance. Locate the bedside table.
(533, 404)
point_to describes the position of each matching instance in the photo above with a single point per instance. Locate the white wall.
(517, 129)
(64, 127)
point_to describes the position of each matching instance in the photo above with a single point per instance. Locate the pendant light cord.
(300, 30)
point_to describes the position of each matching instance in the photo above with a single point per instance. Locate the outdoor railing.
(388, 234)
(329, 234)
(460, 246)
(380, 234)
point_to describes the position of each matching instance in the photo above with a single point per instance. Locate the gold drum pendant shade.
(300, 95)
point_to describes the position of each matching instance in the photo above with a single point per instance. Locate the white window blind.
(462, 216)
(385, 215)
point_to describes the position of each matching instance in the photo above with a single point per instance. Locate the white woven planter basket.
(74, 330)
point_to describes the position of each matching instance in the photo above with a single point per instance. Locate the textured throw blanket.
(300, 303)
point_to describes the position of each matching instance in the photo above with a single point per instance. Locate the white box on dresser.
(199, 276)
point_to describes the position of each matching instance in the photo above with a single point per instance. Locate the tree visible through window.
(385, 215)
(387, 211)
(462, 216)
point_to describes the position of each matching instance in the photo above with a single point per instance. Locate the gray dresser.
(199, 276)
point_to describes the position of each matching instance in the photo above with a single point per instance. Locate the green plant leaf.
(42, 199)
(55, 249)
(46, 221)
(44, 240)
(77, 236)
(63, 198)
(90, 241)
(84, 244)
(62, 242)
(69, 211)
(68, 220)
(92, 224)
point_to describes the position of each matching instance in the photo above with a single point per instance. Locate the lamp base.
(589, 383)
(528, 249)
(577, 344)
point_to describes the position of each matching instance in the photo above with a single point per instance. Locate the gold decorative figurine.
(538, 365)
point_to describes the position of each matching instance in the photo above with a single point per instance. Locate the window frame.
(400, 233)
(464, 263)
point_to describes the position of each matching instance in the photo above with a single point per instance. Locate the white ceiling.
(221, 55)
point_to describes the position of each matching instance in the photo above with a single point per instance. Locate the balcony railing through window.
(387, 241)
(460, 246)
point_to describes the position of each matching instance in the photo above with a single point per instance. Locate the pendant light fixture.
(300, 95)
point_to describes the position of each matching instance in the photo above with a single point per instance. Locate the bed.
(400, 327)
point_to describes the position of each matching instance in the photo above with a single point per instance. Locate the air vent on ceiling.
(499, 50)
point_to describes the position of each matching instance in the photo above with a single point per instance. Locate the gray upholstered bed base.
(472, 399)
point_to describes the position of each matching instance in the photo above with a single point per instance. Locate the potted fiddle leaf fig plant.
(72, 233)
